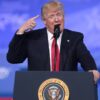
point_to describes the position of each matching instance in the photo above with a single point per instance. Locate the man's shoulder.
(71, 32)
(36, 33)
(40, 30)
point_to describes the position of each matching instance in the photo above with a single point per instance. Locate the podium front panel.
(81, 84)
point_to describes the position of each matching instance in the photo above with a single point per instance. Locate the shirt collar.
(50, 35)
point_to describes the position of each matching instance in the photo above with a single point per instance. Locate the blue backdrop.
(80, 15)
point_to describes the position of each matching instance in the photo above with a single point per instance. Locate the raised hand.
(28, 25)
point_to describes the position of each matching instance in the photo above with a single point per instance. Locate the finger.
(33, 24)
(30, 28)
(35, 17)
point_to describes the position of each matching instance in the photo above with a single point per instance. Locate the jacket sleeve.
(17, 49)
(85, 58)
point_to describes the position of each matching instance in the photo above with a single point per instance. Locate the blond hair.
(52, 5)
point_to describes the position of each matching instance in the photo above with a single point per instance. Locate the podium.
(63, 85)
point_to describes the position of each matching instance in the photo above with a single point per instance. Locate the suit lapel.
(45, 48)
(65, 42)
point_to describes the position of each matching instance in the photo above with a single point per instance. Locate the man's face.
(53, 18)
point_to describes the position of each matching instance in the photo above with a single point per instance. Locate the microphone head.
(57, 31)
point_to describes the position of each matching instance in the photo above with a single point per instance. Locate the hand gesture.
(28, 25)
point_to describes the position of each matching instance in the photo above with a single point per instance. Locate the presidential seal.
(53, 89)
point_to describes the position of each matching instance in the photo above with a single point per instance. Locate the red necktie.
(55, 56)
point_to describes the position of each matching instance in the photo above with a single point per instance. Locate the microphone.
(57, 31)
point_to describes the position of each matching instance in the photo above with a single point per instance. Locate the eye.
(59, 14)
(51, 16)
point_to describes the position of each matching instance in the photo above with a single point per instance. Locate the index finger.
(35, 17)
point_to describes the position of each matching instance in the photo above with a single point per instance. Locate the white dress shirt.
(50, 40)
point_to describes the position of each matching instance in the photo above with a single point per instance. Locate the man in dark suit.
(36, 44)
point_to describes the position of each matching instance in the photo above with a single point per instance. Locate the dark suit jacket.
(34, 46)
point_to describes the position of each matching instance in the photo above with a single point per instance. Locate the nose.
(56, 18)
